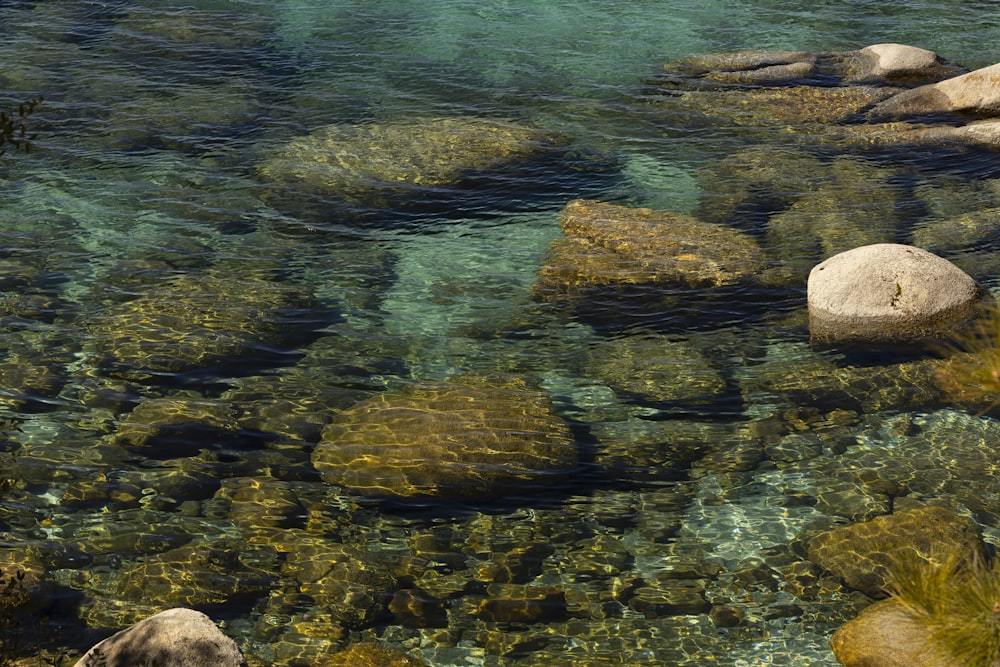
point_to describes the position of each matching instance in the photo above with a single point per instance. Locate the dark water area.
(252, 365)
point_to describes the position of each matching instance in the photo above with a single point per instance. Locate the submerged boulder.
(365, 163)
(864, 554)
(888, 292)
(466, 437)
(606, 245)
(655, 368)
(196, 321)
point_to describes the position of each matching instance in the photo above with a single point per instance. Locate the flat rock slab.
(888, 292)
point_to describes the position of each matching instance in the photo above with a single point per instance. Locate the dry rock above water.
(881, 95)
(178, 637)
(976, 92)
(888, 292)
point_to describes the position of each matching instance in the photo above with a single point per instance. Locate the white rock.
(896, 59)
(977, 92)
(888, 292)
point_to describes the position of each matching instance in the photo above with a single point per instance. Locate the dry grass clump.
(970, 373)
(956, 598)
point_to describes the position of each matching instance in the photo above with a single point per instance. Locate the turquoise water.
(178, 331)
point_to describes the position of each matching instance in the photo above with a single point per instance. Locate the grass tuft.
(956, 597)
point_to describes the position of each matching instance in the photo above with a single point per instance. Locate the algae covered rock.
(863, 554)
(369, 162)
(172, 427)
(198, 321)
(606, 245)
(468, 436)
(852, 203)
(195, 574)
(349, 585)
(655, 368)
(368, 654)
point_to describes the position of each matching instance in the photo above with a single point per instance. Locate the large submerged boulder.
(889, 292)
(372, 162)
(466, 437)
(194, 321)
(606, 245)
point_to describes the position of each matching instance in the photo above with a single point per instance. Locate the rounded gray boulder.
(888, 292)
(173, 638)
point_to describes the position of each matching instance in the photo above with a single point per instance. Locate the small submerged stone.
(467, 437)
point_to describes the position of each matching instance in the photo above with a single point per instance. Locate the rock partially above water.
(173, 638)
(977, 92)
(888, 292)
(470, 436)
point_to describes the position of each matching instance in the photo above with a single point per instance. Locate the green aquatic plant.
(14, 126)
(955, 598)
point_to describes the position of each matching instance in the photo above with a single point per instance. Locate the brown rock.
(465, 437)
(608, 245)
(862, 553)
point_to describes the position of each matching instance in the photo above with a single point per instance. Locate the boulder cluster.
(483, 435)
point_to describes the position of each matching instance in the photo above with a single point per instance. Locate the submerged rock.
(606, 245)
(196, 574)
(369, 655)
(178, 637)
(198, 321)
(862, 553)
(366, 163)
(888, 292)
(852, 204)
(656, 368)
(466, 437)
(349, 585)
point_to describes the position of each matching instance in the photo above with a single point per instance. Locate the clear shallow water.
(142, 185)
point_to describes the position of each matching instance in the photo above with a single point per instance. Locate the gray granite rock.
(173, 638)
(888, 292)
